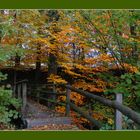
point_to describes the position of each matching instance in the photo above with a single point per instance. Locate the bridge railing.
(21, 93)
(117, 105)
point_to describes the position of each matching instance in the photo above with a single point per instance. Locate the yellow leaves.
(130, 68)
(98, 116)
(101, 58)
(90, 61)
(30, 16)
(110, 121)
(68, 68)
(77, 98)
(98, 86)
(11, 40)
(63, 57)
(39, 41)
(56, 79)
(81, 67)
(62, 98)
(105, 57)
(72, 73)
(83, 120)
(60, 109)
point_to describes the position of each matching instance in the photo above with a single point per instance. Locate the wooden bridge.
(22, 91)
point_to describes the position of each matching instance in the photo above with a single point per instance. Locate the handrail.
(21, 87)
(90, 118)
(114, 104)
(22, 81)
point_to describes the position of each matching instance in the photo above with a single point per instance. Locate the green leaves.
(3, 76)
(128, 85)
(6, 99)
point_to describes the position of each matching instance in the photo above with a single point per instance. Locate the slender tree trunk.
(135, 47)
(52, 60)
(38, 66)
(17, 60)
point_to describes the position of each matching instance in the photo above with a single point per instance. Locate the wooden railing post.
(19, 91)
(68, 91)
(14, 90)
(24, 95)
(118, 114)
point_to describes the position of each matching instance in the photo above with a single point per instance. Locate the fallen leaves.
(55, 127)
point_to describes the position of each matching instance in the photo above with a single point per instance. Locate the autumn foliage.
(84, 46)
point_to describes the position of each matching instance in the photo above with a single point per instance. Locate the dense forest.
(97, 51)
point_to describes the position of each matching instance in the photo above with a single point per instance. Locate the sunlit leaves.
(56, 79)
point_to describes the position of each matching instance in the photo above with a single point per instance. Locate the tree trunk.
(17, 60)
(134, 49)
(38, 66)
(52, 60)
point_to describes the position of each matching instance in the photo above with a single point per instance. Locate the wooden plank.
(118, 114)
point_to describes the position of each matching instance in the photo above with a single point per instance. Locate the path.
(39, 117)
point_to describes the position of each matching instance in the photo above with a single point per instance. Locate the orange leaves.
(125, 36)
(90, 61)
(62, 98)
(130, 68)
(105, 57)
(98, 116)
(77, 98)
(56, 79)
(71, 73)
(68, 68)
(39, 41)
(81, 67)
(100, 62)
(97, 86)
(11, 40)
(60, 109)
